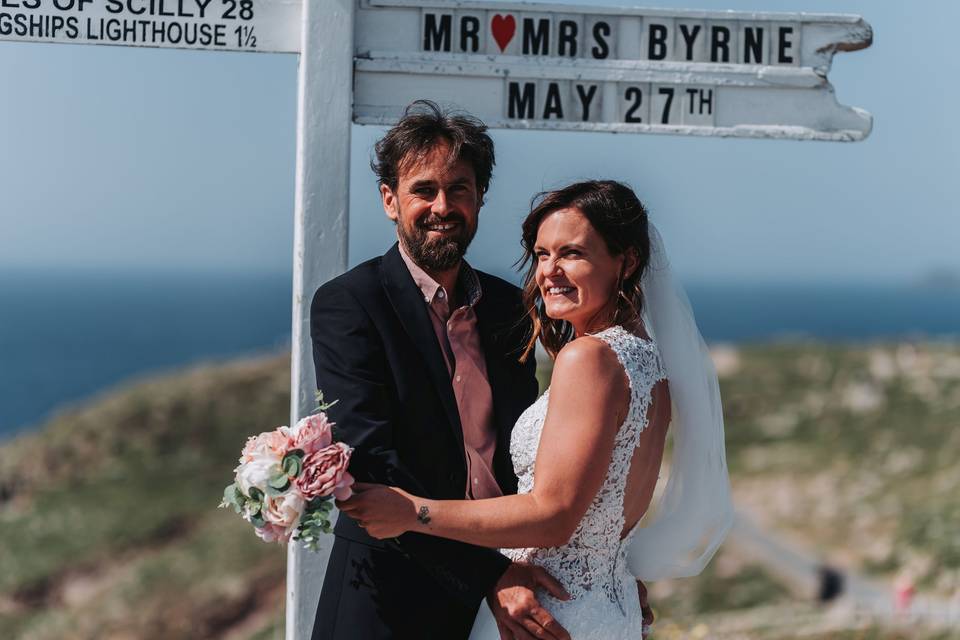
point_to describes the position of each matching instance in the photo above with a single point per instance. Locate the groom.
(421, 353)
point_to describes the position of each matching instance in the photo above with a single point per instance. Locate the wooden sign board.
(518, 65)
(224, 25)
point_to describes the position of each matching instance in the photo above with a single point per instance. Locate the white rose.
(257, 473)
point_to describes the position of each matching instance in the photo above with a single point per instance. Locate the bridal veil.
(695, 510)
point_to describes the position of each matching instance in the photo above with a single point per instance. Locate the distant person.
(601, 300)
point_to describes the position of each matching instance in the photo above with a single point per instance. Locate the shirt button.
(475, 481)
(458, 378)
(426, 299)
(440, 293)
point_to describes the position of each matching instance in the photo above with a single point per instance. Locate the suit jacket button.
(453, 477)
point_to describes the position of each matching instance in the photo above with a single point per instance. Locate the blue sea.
(66, 336)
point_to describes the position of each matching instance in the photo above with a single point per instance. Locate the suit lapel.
(408, 303)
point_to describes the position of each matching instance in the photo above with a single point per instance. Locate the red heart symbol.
(503, 29)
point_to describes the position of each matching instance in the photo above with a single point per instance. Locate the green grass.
(119, 499)
(110, 527)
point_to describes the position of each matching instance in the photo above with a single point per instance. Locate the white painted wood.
(774, 102)
(750, 74)
(251, 25)
(321, 218)
(818, 36)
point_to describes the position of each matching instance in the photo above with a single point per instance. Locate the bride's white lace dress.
(604, 602)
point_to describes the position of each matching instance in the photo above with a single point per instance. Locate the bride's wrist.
(423, 514)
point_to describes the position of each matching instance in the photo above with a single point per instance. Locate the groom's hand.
(645, 609)
(518, 614)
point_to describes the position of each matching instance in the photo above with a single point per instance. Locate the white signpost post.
(514, 65)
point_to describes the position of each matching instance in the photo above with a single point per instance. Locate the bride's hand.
(384, 512)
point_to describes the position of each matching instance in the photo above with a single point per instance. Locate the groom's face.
(435, 206)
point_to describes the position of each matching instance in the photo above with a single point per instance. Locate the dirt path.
(858, 600)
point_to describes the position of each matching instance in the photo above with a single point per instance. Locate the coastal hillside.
(109, 518)
(110, 527)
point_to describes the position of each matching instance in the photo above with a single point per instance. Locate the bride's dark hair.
(615, 212)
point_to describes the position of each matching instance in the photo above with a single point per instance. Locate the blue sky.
(117, 158)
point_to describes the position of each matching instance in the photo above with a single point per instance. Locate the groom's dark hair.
(425, 125)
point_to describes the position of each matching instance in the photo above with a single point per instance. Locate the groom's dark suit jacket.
(376, 353)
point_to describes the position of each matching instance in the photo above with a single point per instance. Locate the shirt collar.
(468, 283)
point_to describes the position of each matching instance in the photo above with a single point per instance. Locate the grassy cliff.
(109, 526)
(109, 520)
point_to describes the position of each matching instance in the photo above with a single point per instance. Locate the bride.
(588, 452)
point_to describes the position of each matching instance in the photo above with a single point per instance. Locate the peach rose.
(283, 510)
(271, 444)
(325, 473)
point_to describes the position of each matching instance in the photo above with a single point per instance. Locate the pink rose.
(313, 433)
(325, 472)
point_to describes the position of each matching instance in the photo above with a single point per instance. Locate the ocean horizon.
(66, 336)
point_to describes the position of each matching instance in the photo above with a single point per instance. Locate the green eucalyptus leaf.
(292, 464)
(280, 482)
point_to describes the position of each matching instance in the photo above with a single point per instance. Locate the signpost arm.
(321, 215)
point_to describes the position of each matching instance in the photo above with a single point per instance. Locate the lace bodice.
(595, 556)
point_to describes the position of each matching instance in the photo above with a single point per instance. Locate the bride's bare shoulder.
(587, 358)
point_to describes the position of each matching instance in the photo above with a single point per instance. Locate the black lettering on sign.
(719, 44)
(696, 106)
(692, 94)
(470, 33)
(567, 38)
(635, 96)
(666, 91)
(436, 34)
(601, 31)
(753, 45)
(520, 105)
(586, 96)
(552, 107)
(689, 33)
(657, 42)
(700, 101)
(536, 36)
(706, 100)
(785, 45)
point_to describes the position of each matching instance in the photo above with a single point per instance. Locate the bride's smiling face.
(576, 273)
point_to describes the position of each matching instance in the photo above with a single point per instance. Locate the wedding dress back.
(592, 564)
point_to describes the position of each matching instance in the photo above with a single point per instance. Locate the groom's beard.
(440, 254)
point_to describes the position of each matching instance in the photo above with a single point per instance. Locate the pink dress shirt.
(459, 340)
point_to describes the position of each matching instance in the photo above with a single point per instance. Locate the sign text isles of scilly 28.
(233, 25)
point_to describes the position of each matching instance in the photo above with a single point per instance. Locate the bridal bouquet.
(287, 478)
